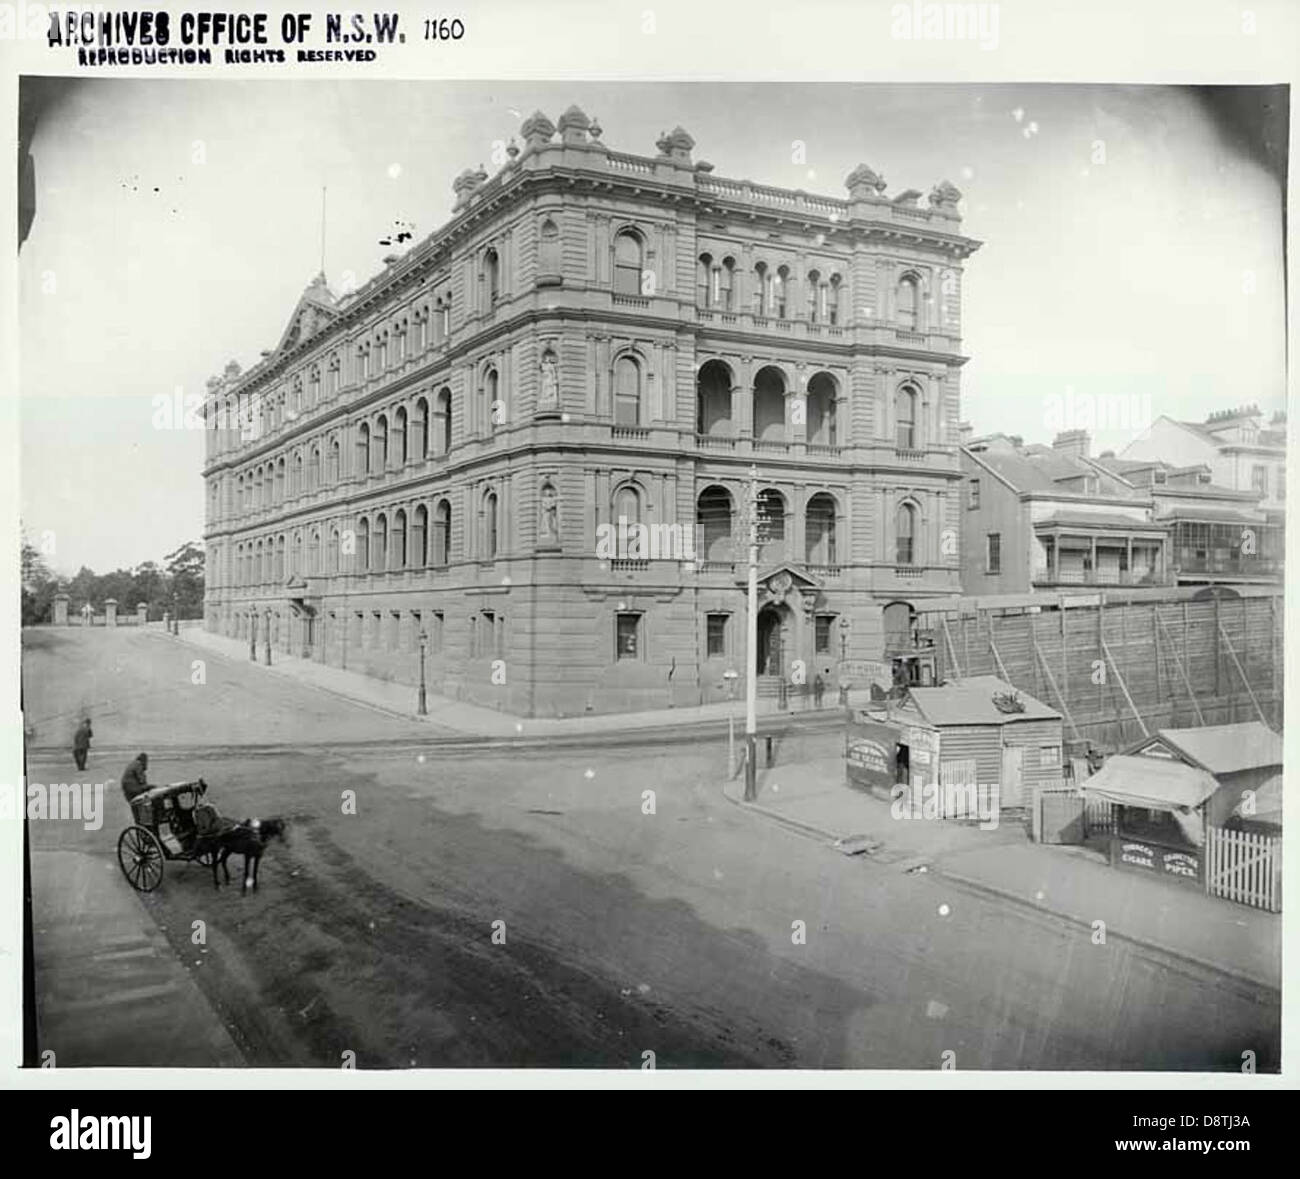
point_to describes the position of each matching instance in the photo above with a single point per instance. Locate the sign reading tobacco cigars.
(1139, 855)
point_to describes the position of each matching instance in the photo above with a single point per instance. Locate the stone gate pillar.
(60, 609)
(142, 613)
(110, 612)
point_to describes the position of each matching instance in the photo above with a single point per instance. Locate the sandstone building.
(593, 336)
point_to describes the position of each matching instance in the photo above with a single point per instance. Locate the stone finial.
(537, 131)
(465, 185)
(574, 125)
(595, 130)
(232, 370)
(676, 145)
(214, 383)
(943, 199)
(512, 151)
(863, 183)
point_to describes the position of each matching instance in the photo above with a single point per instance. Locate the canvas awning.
(1150, 782)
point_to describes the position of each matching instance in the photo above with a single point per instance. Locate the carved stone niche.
(548, 383)
(548, 517)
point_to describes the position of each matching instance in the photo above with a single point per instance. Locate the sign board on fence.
(1141, 855)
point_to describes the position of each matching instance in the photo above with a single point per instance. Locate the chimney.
(1073, 443)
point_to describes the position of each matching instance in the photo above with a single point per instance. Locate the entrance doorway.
(770, 656)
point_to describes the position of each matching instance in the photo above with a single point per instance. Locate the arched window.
(833, 313)
(771, 521)
(399, 539)
(490, 526)
(298, 486)
(728, 281)
(336, 455)
(491, 395)
(905, 418)
(443, 414)
(422, 428)
(313, 552)
(363, 449)
(296, 567)
(279, 559)
(279, 481)
(819, 530)
(821, 410)
(313, 469)
(363, 544)
(379, 544)
(259, 565)
(420, 537)
(713, 399)
(713, 523)
(442, 533)
(628, 263)
(491, 277)
(815, 302)
(381, 352)
(549, 251)
(908, 302)
(627, 392)
(780, 291)
(333, 564)
(769, 405)
(905, 531)
(627, 505)
(399, 436)
(762, 300)
(381, 443)
(313, 387)
(704, 281)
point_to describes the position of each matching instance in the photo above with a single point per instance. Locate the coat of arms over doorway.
(786, 601)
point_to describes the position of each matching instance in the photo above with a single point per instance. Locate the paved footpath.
(110, 990)
(470, 719)
(1074, 884)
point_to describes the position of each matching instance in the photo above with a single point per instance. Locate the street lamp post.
(266, 637)
(252, 635)
(422, 707)
(844, 645)
(730, 676)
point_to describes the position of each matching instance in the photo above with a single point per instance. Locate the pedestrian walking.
(81, 743)
(819, 690)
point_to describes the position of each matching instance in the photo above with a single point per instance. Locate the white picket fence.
(1244, 867)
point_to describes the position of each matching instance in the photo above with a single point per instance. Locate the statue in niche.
(550, 396)
(549, 527)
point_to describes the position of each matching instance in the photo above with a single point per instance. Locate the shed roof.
(1226, 749)
(970, 702)
(1151, 782)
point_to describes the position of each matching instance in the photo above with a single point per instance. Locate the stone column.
(142, 613)
(60, 609)
(110, 612)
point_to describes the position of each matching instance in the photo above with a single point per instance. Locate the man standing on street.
(134, 780)
(81, 743)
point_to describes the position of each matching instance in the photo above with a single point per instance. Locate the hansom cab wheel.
(140, 856)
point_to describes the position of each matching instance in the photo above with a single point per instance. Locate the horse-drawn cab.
(172, 822)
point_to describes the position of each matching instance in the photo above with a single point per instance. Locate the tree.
(38, 587)
(185, 568)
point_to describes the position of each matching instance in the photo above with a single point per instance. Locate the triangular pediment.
(781, 578)
(314, 312)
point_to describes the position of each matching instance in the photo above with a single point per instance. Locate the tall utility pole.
(751, 642)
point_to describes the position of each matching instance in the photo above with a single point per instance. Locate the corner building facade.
(593, 336)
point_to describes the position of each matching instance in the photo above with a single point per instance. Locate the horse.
(248, 839)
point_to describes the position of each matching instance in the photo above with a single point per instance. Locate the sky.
(1132, 262)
